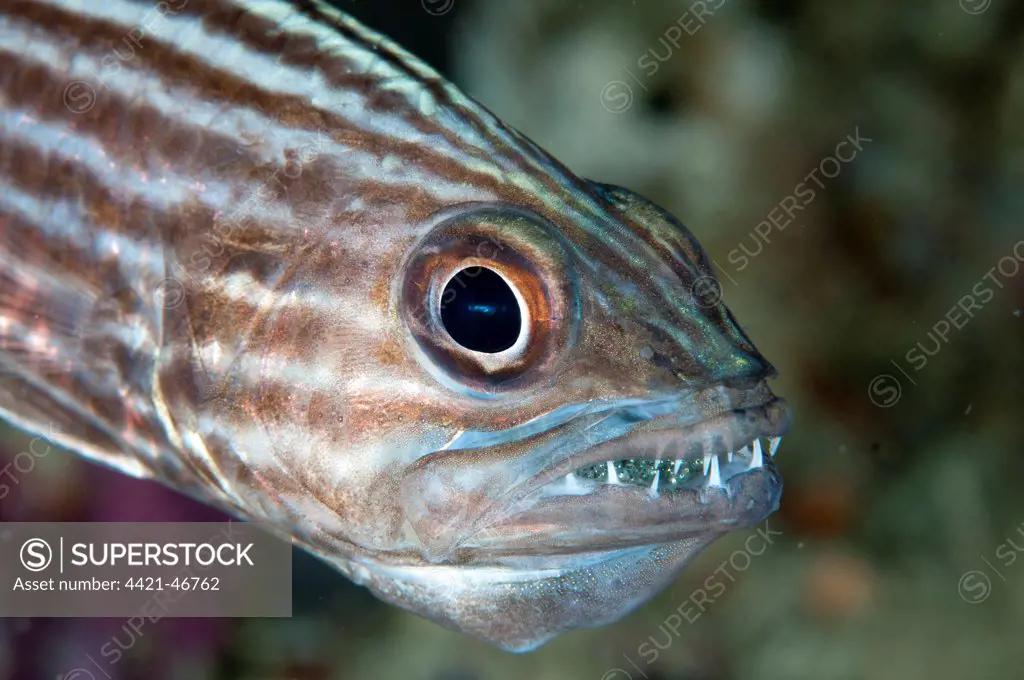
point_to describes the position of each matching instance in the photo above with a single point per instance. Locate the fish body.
(261, 254)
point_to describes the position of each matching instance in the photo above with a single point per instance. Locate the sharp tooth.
(612, 477)
(654, 484)
(758, 459)
(572, 484)
(707, 464)
(729, 457)
(715, 479)
(774, 445)
(675, 470)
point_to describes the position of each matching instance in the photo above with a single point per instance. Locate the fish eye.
(480, 311)
(488, 299)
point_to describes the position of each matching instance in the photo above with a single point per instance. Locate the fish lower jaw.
(664, 475)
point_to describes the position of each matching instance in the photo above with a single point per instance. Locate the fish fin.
(35, 410)
(42, 316)
(58, 377)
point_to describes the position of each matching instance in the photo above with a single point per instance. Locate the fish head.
(497, 394)
(383, 323)
(597, 416)
(516, 415)
(517, 412)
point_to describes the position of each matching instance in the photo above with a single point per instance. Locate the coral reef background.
(894, 554)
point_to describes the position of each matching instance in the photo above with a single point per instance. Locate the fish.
(258, 253)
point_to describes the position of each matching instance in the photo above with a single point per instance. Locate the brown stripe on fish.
(210, 88)
(395, 150)
(353, 75)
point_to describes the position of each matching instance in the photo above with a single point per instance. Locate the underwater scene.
(547, 339)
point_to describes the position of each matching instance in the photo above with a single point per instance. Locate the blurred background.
(894, 554)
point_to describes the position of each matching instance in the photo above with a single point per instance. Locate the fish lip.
(744, 499)
(726, 431)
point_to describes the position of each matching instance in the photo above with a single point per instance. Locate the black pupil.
(480, 312)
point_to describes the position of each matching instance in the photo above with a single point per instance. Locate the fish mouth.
(629, 475)
(648, 487)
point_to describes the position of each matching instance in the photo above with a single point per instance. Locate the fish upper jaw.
(543, 494)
